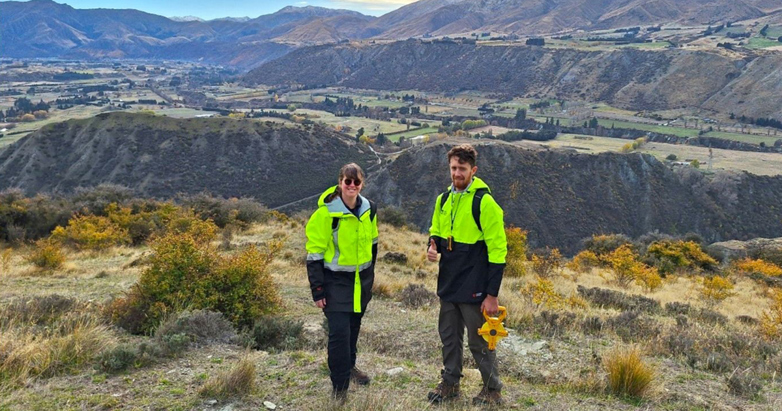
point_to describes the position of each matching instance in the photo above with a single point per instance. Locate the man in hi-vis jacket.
(469, 234)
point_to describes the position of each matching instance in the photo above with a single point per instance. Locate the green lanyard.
(453, 218)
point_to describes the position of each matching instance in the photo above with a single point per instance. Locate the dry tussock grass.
(627, 372)
(27, 352)
(238, 381)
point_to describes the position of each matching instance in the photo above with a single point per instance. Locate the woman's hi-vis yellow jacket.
(341, 253)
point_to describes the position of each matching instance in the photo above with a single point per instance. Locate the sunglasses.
(349, 181)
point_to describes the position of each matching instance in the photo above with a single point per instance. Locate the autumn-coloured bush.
(602, 244)
(185, 271)
(547, 263)
(584, 261)
(771, 319)
(627, 269)
(46, 254)
(517, 252)
(749, 266)
(715, 289)
(91, 232)
(671, 255)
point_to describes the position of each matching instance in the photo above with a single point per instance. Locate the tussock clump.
(628, 374)
(236, 382)
(416, 296)
(66, 347)
(277, 333)
(618, 300)
(202, 326)
(41, 310)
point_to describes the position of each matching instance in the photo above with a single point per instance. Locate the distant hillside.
(446, 17)
(160, 157)
(562, 198)
(627, 78)
(43, 28)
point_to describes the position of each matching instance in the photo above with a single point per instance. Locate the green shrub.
(118, 359)
(394, 216)
(670, 255)
(200, 326)
(185, 271)
(278, 333)
(602, 244)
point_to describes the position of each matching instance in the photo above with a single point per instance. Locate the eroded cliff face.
(162, 157)
(628, 78)
(562, 198)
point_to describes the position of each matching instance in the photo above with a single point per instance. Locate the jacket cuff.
(318, 293)
(495, 279)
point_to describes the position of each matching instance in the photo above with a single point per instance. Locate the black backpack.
(476, 204)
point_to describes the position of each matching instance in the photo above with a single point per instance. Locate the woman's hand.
(321, 303)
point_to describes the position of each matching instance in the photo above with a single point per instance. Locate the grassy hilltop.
(706, 335)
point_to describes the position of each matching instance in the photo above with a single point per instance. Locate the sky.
(211, 9)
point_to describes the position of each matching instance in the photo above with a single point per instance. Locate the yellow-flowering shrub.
(46, 254)
(517, 252)
(542, 293)
(670, 255)
(626, 269)
(583, 261)
(547, 264)
(771, 319)
(91, 232)
(715, 289)
(648, 278)
(750, 266)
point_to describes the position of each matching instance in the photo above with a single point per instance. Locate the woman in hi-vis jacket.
(341, 253)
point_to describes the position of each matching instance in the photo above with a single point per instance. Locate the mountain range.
(43, 28)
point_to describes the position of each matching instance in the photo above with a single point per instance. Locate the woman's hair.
(350, 170)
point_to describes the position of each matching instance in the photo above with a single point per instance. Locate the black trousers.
(343, 337)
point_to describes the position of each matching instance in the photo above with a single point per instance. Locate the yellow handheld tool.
(492, 330)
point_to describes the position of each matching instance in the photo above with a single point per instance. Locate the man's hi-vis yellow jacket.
(472, 255)
(341, 253)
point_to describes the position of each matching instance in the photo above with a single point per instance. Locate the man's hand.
(321, 303)
(490, 306)
(431, 255)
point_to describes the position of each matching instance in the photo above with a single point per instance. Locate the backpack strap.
(372, 215)
(476, 206)
(444, 198)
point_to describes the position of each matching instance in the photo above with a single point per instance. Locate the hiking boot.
(359, 377)
(339, 396)
(444, 392)
(488, 397)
